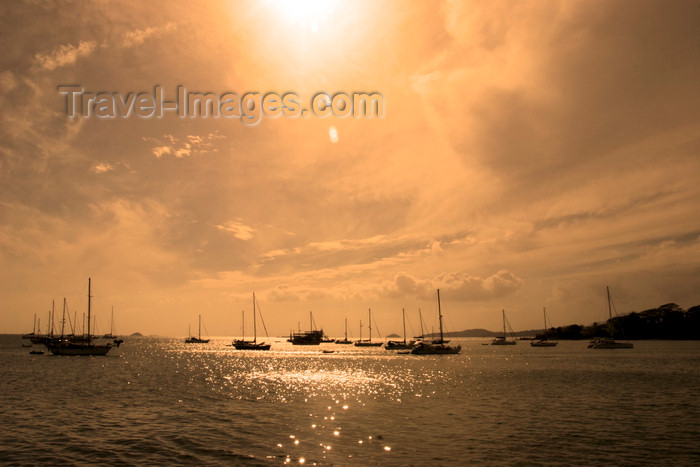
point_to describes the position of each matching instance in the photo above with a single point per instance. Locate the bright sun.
(311, 13)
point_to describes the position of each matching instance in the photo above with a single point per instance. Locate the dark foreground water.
(158, 401)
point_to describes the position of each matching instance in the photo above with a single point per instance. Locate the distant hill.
(136, 334)
(668, 321)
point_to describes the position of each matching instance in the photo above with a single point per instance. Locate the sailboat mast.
(544, 315)
(370, 324)
(610, 323)
(420, 318)
(63, 319)
(346, 329)
(403, 314)
(439, 315)
(199, 329)
(504, 323)
(88, 316)
(255, 329)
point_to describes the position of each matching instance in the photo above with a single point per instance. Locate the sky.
(529, 154)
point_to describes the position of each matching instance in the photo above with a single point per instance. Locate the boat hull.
(399, 345)
(72, 348)
(307, 338)
(194, 340)
(423, 348)
(244, 345)
(606, 343)
(543, 344)
(502, 342)
(367, 344)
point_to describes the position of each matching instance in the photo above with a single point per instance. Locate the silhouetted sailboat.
(420, 319)
(67, 347)
(242, 344)
(196, 340)
(400, 345)
(544, 342)
(33, 333)
(368, 342)
(111, 328)
(436, 346)
(609, 342)
(344, 341)
(502, 340)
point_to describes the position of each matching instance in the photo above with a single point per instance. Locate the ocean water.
(159, 401)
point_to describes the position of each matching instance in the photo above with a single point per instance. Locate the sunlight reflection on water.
(161, 402)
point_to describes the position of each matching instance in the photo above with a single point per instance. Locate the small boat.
(63, 346)
(420, 319)
(344, 341)
(368, 342)
(110, 335)
(400, 345)
(436, 346)
(33, 333)
(196, 340)
(311, 337)
(609, 342)
(544, 342)
(36, 352)
(242, 344)
(502, 340)
(328, 351)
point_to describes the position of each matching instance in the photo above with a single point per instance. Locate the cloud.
(239, 230)
(467, 287)
(63, 55)
(8, 82)
(405, 285)
(137, 37)
(192, 145)
(160, 151)
(286, 293)
(459, 286)
(102, 168)
(119, 240)
(533, 89)
(527, 146)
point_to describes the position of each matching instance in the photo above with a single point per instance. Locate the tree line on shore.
(668, 321)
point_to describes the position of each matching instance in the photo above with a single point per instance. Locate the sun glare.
(310, 13)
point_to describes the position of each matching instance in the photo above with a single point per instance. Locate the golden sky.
(530, 154)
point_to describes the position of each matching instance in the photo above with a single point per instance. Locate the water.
(158, 401)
